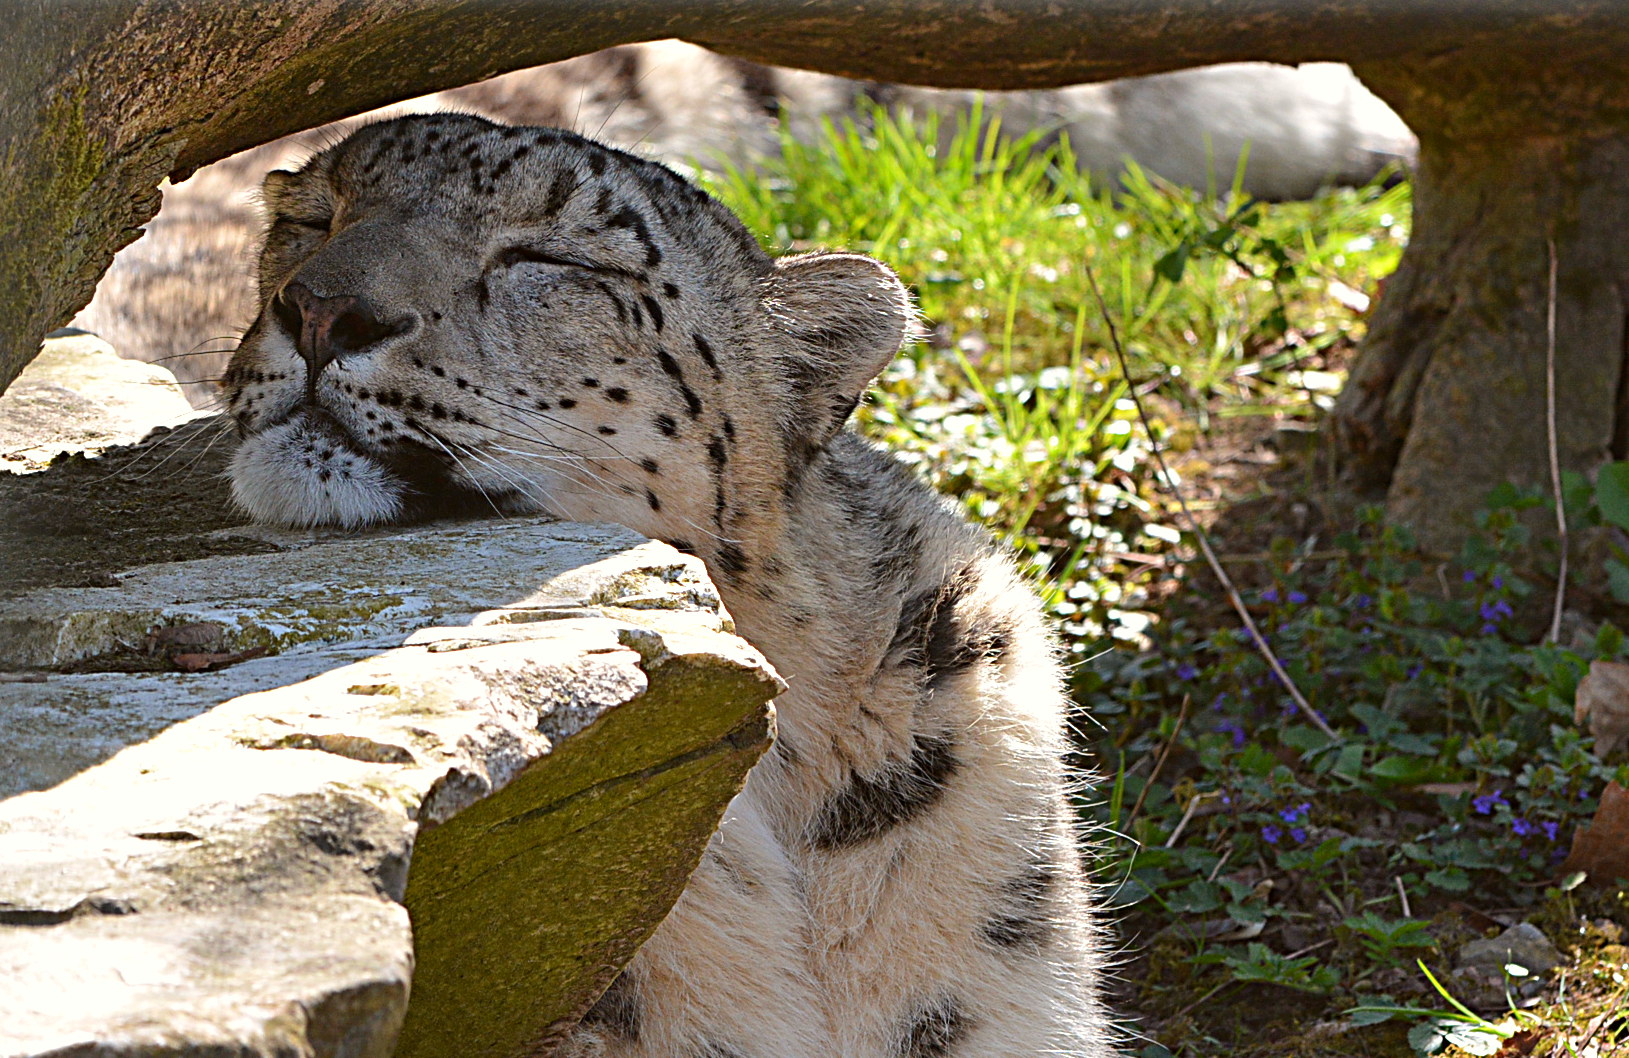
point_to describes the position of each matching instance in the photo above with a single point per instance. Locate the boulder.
(248, 802)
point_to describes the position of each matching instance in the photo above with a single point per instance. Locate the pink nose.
(328, 329)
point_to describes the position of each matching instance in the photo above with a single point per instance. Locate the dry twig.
(1555, 457)
(1181, 719)
(1193, 526)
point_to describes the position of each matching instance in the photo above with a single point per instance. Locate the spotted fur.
(458, 316)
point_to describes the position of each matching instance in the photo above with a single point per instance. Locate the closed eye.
(514, 255)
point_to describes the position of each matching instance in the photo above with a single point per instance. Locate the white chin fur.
(299, 475)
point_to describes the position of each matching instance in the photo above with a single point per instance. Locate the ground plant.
(1282, 882)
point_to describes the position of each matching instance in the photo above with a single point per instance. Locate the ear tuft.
(847, 316)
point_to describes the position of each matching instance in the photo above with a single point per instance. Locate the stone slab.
(480, 767)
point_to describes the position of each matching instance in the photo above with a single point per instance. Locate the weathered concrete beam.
(481, 764)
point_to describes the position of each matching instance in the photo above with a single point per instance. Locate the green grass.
(1265, 877)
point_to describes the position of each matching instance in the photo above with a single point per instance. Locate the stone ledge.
(545, 723)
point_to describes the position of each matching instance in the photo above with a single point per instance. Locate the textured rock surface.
(544, 721)
(79, 396)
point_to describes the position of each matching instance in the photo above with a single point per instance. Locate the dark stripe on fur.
(706, 350)
(670, 366)
(931, 633)
(896, 793)
(935, 1029)
(627, 218)
(714, 1049)
(1023, 922)
(732, 562)
(654, 310)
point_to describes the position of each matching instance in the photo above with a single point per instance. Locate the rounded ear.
(847, 316)
(274, 187)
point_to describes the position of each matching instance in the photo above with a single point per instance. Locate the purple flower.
(1415, 670)
(1484, 804)
(1298, 833)
(1298, 597)
(1498, 582)
(1521, 827)
(1270, 595)
(1270, 834)
(1550, 829)
(1296, 814)
(1232, 727)
(1186, 671)
(1362, 602)
(1216, 703)
(1468, 576)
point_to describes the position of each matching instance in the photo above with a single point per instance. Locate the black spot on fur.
(618, 1012)
(896, 793)
(1022, 921)
(567, 403)
(667, 425)
(935, 1029)
(608, 431)
(649, 466)
(618, 394)
(716, 453)
(670, 291)
(653, 500)
(592, 383)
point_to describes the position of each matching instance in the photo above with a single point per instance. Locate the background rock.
(79, 396)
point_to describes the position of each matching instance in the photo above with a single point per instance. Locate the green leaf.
(1247, 914)
(1197, 898)
(1303, 738)
(1350, 764)
(1426, 1039)
(1361, 1017)
(1617, 579)
(1452, 879)
(1612, 494)
(1400, 769)
(1171, 266)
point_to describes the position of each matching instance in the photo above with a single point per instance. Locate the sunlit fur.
(575, 330)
